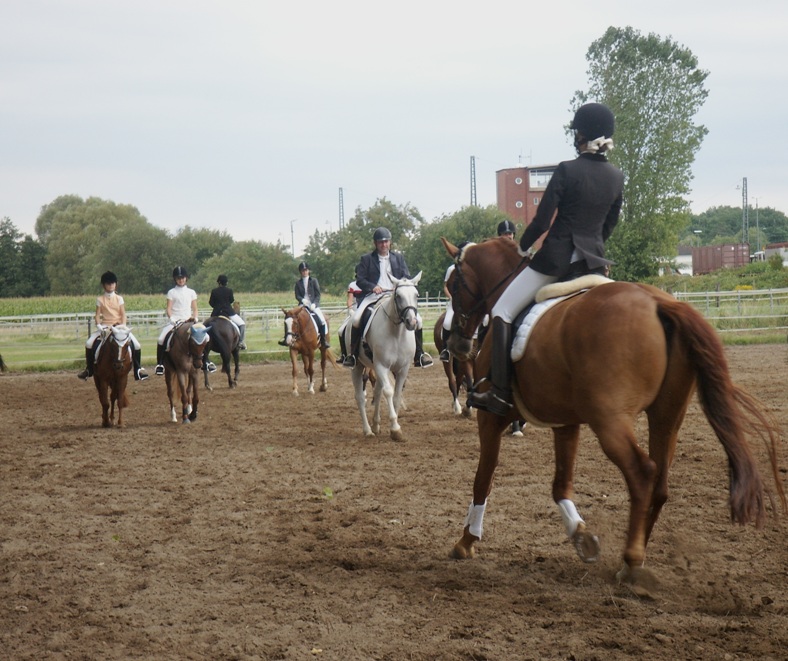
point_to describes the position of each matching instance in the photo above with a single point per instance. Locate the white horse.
(391, 339)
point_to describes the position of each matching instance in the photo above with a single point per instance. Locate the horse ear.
(396, 281)
(415, 280)
(450, 247)
(284, 311)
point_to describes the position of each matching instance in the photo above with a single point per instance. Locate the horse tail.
(730, 410)
(2, 365)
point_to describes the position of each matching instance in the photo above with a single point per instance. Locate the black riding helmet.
(303, 266)
(381, 234)
(506, 227)
(108, 278)
(594, 120)
(179, 272)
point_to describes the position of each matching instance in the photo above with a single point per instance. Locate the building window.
(540, 178)
(536, 201)
(518, 204)
(518, 180)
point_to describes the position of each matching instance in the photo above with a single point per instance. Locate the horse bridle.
(460, 281)
(401, 312)
(295, 335)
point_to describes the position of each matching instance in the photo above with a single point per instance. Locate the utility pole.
(292, 239)
(341, 210)
(745, 216)
(473, 181)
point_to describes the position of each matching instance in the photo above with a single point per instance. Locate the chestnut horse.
(182, 363)
(600, 359)
(302, 338)
(459, 373)
(224, 339)
(111, 372)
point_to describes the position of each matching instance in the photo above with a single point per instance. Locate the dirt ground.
(271, 529)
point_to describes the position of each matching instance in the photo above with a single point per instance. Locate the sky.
(250, 116)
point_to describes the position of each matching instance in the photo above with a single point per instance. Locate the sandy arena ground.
(271, 529)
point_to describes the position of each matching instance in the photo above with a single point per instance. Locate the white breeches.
(236, 319)
(448, 318)
(520, 292)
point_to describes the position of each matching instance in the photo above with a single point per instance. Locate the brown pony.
(111, 372)
(602, 358)
(302, 339)
(459, 373)
(182, 363)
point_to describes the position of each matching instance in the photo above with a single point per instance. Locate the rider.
(307, 293)
(221, 302)
(373, 277)
(181, 306)
(587, 195)
(111, 311)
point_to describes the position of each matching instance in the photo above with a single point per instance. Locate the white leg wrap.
(570, 516)
(475, 519)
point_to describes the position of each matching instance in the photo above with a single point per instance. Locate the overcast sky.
(245, 116)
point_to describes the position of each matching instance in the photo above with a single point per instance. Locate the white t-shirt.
(181, 298)
(384, 281)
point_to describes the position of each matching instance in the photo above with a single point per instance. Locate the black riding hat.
(594, 120)
(381, 234)
(108, 278)
(506, 227)
(303, 266)
(180, 272)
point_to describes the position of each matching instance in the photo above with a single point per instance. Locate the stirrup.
(445, 356)
(84, 375)
(142, 375)
(210, 367)
(349, 362)
(159, 371)
(424, 360)
(489, 401)
(242, 346)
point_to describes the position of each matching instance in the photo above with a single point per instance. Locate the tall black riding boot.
(136, 365)
(86, 373)
(159, 360)
(421, 359)
(498, 399)
(445, 355)
(355, 343)
(342, 348)
(242, 334)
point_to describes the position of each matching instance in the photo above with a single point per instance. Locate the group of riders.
(577, 214)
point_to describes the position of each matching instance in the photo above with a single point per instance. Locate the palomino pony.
(388, 345)
(601, 358)
(302, 339)
(459, 373)
(224, 339)
(111, 372)
(182, 363)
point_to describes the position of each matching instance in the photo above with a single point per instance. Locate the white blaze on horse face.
(289, 337)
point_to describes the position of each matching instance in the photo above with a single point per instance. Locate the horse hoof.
(586, 544)
(397, 435)
(640, 581)
(186, 421)
(323, 388)
(369, 434)
(460, 552)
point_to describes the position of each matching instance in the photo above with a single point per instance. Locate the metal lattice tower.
(745, 214)
(341, 210)
(473, 181)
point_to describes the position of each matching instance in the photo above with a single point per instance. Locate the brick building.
(519, 191)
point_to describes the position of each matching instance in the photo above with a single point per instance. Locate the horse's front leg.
(453, 387)
(395, 404)
(236, 360)
(104, 399)
(309, 370)
(169, 376)
(385, 390)
(186, 405)
(565, 442)
(195, 397)
(490, 429)
(324, 379)
(357, 376)
(294, 365)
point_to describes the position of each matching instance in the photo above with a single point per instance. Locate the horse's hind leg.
(490, 429)
(357, 376)
(323, 379)
(565, 442)
(294, 363)
(104, 399)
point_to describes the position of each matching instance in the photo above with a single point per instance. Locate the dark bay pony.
(459, 373)
(600, 359)
(182, 363)
(111, 372)
(302, 339)
(224, 339)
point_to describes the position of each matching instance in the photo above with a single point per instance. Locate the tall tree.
(655, 88)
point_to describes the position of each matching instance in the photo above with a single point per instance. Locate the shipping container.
(706, 259)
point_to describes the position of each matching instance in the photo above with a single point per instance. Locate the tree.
(201, 244)
(21, 263)
(48, 213)
(250, 266)
(724, 225)
(655, 89)
(9, 254)
(427, 253)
